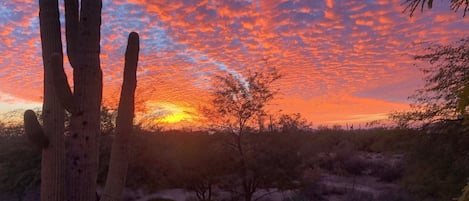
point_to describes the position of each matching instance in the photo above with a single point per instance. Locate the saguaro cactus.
(70, 173)
(118, 163)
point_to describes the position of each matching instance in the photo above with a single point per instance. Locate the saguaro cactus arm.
(61, 86)
(34, 131)
(53, 156)
(71, 30)
(90, 27)
(118, 164)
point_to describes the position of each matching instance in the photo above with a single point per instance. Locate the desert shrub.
(344, 160)
(337, 164)
(355, 165)
(395, 195)
(149, 167)
(200, 164)
(395, 140)
(365, 142)
(160, 199)
(20, 165)
(324, 161)
(359, 196)
(310, 188)
(437, 167)
(279, 160)
(308, 193)
(390, 173)
(382, 139)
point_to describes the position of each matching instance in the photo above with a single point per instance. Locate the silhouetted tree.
(445, 96)
(237, 100)
(293, 123)
(463, 102)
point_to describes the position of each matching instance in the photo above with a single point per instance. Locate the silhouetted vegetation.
(432, 166)
(19, 164)
(445, 96)
(440, 110)
(244, 161)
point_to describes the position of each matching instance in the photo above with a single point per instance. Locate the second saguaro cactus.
(118, 163)
(70, 172)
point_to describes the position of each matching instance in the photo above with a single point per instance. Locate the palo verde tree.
(69, 170)
(237, 101)
(460, 93)
(445, 95)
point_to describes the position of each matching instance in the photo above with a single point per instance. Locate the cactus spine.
(70, 174)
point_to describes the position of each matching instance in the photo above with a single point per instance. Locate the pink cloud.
(322, 49)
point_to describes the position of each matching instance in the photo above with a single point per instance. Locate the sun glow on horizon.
(175, 118)
(341, 63)
(170, 113)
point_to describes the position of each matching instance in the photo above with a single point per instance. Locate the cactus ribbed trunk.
(118, 163)
(70, 174)
(82, 153)
(53, 156)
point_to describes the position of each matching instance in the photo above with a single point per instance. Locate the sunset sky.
(342, 61)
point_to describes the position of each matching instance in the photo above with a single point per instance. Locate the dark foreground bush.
(160, 199)
(390, 173)
(395, 195)
(438, 166)
(359, 196)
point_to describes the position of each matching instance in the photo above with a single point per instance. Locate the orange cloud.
(326, 51)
